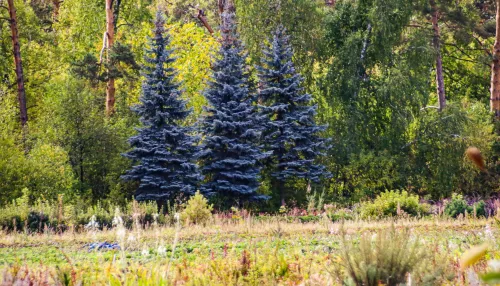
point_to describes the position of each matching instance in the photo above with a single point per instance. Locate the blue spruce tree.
(164, 149)
(231, 155)
(292, 134)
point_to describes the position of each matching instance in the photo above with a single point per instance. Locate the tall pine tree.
(230, 156)
(292, 134)
(164, 148)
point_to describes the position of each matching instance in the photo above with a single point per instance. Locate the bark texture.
(110, 34)
(16, 49)
(495, 68)
(436, 42)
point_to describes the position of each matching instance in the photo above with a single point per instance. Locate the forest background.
(403, 86)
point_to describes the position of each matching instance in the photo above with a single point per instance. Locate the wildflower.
(155, 219)
(145, 251)
(488, 232)
(494, 265)
(472, 277)
(162, 250)
(177, 217)
(121, 232)
(117, 220)
(131, 238)
(452, 246)
(93, 224)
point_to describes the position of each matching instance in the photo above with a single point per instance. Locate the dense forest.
(267, 102)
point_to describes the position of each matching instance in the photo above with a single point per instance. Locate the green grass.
(245, 252)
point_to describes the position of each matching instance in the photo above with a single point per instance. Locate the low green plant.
(459, 206)
(381, 259)
(309, 218)
(340, 215)
(197, 210)
(315, 201)
(393, 203)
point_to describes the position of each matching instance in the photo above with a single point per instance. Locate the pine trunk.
(21, 93)
(110, 33)
(436, 42)
(57, 5)
(495, 69)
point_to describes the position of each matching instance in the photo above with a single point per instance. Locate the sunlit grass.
(230, 251)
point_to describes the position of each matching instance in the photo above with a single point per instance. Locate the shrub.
(458, 205)
(197, 210)
(385, 259)
(309, 218)
(341, 214)
(12, 216)
(393, 203)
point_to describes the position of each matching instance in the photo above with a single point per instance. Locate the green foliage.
(386, 258)
(315, 201)
(439, 140)
(341, 215)
(301, 18)
(21, 215)
(309, 218)
(194, 50)
(459, 206)
(197, 210)
(49, 172)
(368, 64)
(393, 203)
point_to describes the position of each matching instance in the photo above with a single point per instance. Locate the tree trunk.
(110, 33)
(203, 19)
(495, 69)
(21, 93)
(57, 5)
(436, 42)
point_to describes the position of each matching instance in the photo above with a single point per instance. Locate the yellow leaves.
(473, 255)
(194, 50)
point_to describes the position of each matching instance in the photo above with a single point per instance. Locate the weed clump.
(384, 258)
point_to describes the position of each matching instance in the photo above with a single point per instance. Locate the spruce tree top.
(292, 134)
(164, 148)
(230, 156)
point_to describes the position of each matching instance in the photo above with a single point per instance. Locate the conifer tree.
(230, 156)
(291, 134)
(164, 148)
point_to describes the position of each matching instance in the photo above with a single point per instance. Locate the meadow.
(253, 251)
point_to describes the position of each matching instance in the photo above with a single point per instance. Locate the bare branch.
(104, 46)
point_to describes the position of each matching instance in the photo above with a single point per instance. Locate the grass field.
(241, 252)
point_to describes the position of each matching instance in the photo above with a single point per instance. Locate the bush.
(383, 260)
(340, 215)
(458, 206)
(393, 203)
(309, 218)
(197, 210)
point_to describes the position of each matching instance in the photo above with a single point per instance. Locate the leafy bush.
(12, 216)
(197, 210)
(341, 214)
(20, 215)
(385, 259)
(393, 203)
(458, 206)
(309, 218)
